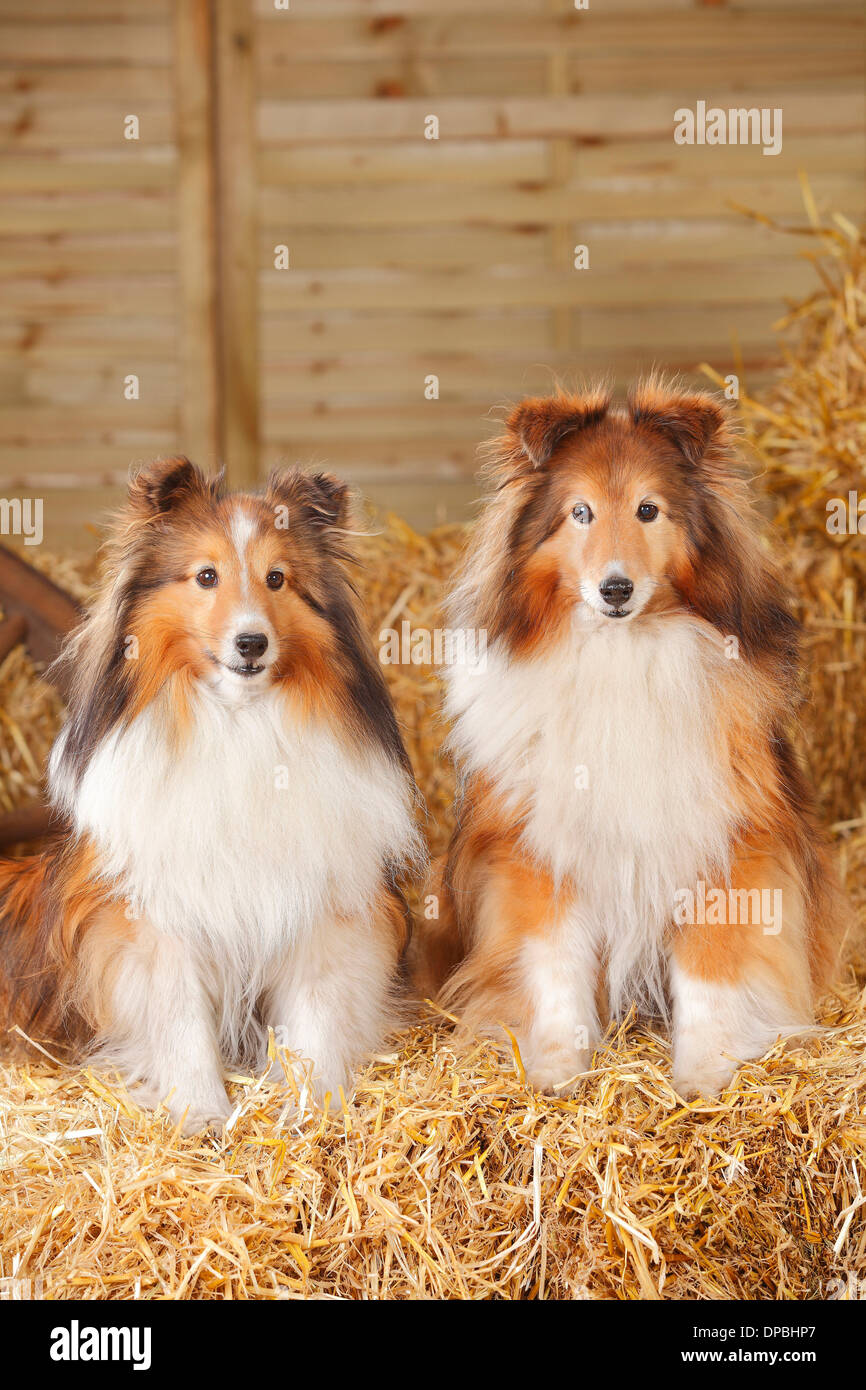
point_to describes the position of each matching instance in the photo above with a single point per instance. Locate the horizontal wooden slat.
(62, 257)
(436, 78)
(678, 196)
(97, 212)
(663, 287)
(69, 43)
(320, 333)
(836, 152)
(466, 161)
(52, 175)
(485, 163)
(82, 11)
(86, 335)
(810, 69)
(25, 124)
(425, 421)
(590, 33)
(413, 248)
(134, 424)
(378, 10)
(648, 116)
(34, 86)
(381, 378)
(390, 78)
(103, 463)
(41, 299)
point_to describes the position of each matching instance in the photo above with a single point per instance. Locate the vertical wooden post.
(196, 233)
(562, 238)
(237, 242)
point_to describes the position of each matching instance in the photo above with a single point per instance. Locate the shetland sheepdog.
(633, 826)
(237, 801)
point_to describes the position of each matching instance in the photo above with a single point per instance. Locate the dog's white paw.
(331, 1085)
(557, 1069)
(707, 1075)
(201, 1115)
(194, 1113)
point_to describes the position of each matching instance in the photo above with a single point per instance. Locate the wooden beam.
(12, 631)
(47, 611)
(196, 232)
(237, 240)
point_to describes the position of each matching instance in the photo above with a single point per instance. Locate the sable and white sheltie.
(633, 826)
(238, 804)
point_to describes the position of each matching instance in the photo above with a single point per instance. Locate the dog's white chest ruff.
(612, 744)
(247, 833)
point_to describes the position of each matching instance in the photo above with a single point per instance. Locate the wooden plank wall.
(408, 258)
(454, 257)
(90, 254)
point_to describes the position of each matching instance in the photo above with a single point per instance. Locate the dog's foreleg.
(156, 1023)
(534, 967)
(332, 997)
(740, 980)
(558, 972)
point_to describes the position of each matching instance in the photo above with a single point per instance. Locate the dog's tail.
(436, 949)
(28, 969)
(41, 908)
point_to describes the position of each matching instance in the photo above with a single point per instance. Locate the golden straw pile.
(444, 1176)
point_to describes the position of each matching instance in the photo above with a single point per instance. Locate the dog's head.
(608, 515)
(227, 595)
(238, 589)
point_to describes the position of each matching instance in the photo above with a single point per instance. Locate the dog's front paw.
(195, 1113)
(201, 1116)
(330, 1085)
(204, 1124)
(557, 1069)
(707, 1075)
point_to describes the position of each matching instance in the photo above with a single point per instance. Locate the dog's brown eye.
(582, 514)
(207, 578)
(274, 579)
(647, 511)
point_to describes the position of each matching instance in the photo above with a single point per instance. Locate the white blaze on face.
(242, 532)
(244, 617)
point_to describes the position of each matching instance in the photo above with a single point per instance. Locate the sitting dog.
(634, 827)
(237, 799)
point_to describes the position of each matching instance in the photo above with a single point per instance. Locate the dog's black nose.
(251, 645)
(616, 589)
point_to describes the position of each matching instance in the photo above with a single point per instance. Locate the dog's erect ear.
(166, 484)
(332, 501)
(691, 421)
(541, 423)
(323, 498)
